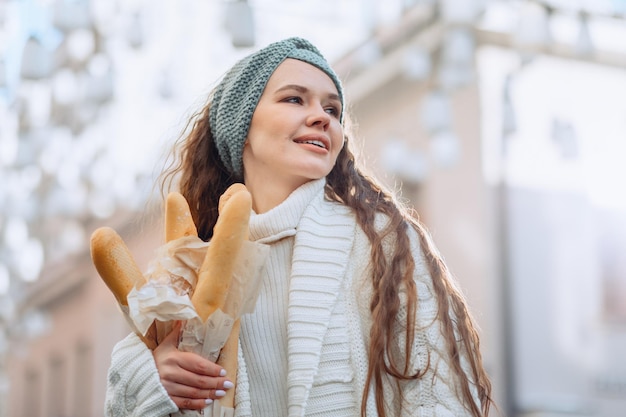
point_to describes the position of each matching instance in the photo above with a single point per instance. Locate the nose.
(319, 117)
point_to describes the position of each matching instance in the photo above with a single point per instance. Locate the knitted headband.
(237, 95)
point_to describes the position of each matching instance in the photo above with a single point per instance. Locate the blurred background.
(502, 121)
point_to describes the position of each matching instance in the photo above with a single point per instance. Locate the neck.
(268, 194)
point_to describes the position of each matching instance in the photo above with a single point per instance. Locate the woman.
(357, 313)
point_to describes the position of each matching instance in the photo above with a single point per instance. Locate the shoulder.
(362, 250)
(381, 224)
(362, 269)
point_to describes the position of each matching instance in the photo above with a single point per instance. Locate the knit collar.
(282, 220)
(320, 258)
(321, 252)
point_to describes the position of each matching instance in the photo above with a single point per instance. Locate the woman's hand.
(191, 381)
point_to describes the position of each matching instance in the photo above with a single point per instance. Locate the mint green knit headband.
(237, 95)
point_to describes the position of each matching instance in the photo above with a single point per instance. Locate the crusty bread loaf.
(230, 191)
(118, 269)
(178, 220)
(228, 355)
(115, 263)
(178, 224)
(229, 233)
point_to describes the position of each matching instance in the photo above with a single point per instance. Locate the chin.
(317, 176)
(317, 172)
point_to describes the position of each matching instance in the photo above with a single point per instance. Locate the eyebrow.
(303, 90)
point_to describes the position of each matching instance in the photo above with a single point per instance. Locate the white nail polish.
(223, 372)
(208, 401)
(220, 393)
(228, 385)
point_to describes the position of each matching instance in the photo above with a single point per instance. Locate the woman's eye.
(296, 100)
(333, 111)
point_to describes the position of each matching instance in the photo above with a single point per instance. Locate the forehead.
(293, 71)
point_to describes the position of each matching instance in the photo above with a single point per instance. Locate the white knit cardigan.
(328, 333)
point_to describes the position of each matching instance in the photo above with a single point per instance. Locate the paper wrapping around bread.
(229, 271)
(163, 298)
(208, 338)
(178, 224)
(170, 278)
(216, 296)
(117, 267)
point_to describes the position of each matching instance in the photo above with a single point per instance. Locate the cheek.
(259, 151)
(263, 133)
(338, 141)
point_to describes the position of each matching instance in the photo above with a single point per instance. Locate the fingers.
(197, 395)
(190, 404)
(198, 365)
(177, 374)
(213, 388)
(185, 367)
(189, 379)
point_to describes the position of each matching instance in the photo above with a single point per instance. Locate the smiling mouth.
(317, 143)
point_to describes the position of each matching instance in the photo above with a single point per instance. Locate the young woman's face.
(295, 134)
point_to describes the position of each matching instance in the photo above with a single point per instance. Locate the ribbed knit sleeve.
(133, 385)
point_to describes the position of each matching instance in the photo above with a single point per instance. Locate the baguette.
(115, 263)
(178, 224)
(118, 269)
(229, 233)
(230, 191)
(228, 359)
(178, 220)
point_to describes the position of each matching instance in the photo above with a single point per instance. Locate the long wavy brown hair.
(202, 178)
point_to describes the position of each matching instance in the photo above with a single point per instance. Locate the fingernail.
(220, 393)
(208, 401)
(228, 385)
(223, 372)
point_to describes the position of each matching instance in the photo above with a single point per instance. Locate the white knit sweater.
(303, 350)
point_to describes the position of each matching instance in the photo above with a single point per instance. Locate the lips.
(319, 141)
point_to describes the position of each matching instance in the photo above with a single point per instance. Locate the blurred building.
(501, 123)
(62, 371)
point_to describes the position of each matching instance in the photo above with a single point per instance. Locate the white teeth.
(315, 142)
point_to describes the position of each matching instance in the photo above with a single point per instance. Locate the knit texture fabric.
(305, 302)
(133, 385)
(264, 334)
(327, 329)
(237, 95)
